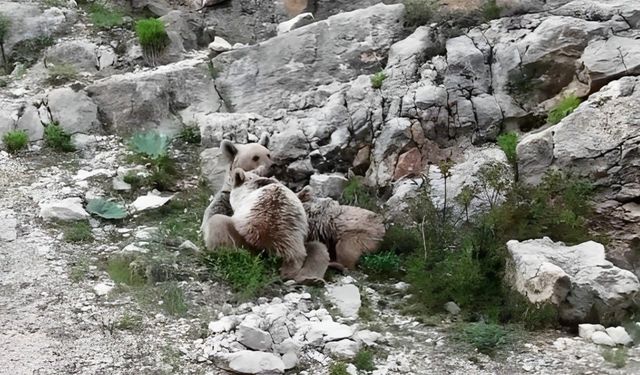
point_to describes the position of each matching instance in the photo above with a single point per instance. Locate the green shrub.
(153, 38)
(191, 134)
(338, 368)
(152, 148)
(61, 73)
(173, 300)
(129, 322)
(508, 143)
(27, 52)
(104, 17)
(377, 79)
(485, 337)
(490, 10)
(357, 194)
(400, 239)
(78, 232)
(120, 270)
(247, 274)
(5, 26)
(466, 263)
(563, 109)
(618, 357)
(420, 12)
(15, 140)
(57, 138)
(385, 263)
(364, 360)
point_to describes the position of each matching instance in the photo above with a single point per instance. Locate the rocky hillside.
(499, 139)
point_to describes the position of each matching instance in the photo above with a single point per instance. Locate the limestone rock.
(163, 99)
(283, 65)
(345, 349)
(601, 338)
(587, 330)
(29, 21)
(8, 224)
(619, 335)
(65, 210)
(225, 324)
(290, 360)
(251, 362)
(30, 122)
(254, 338)
(296, 22)
(606, 60)
(149, 202)
(367, 337)
(578, 279)
(346, 298)
(328, 185)
(328, 331)
(74, 111)
(102, 289)
(452, 308)
(80, 54)
(220, 45)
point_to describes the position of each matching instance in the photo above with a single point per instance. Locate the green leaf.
(106, 209)
(151, 144)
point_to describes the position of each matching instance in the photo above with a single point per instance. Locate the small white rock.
(587, 330)
(250, 362)
(290, 360)
(352, 369)
(452, 308)
(602, 338)
(346, 298)
(402, 286)
(220, 45)
(149, 202)
(65, 209)
(619, 335)
(188, 245)
(367, 337)
(102, 289)
(346, 349)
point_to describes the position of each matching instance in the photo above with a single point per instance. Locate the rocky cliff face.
(352, 89)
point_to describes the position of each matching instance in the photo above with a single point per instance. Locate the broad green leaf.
(151, 144)
(106, 209)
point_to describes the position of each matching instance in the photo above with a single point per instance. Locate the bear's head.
(314, 204)
(244, 183)
(254, 157)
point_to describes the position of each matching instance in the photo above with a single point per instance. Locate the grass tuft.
(377, 79)
(15, 140)
(104, 17)
(357, 194)
(338, 368)
(617, 357)
(487, 338)
(420, 12)
(120, 270)
(78, 232)
(383, 264)
(364, 360)
(563, 109)
(61, 73)
(152, 37)
(57, 138)
(173, 299)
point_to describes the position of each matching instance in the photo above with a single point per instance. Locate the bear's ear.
(229, 150)
(264, 139)
(305, 194)
(238, 177)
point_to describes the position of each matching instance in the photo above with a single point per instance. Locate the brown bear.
(267, 215)
(250, 157)
(347, 231)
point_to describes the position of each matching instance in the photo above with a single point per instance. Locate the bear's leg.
(220, 205)
(292, 259)
(349, 249)
(221, 231)
(315, 265)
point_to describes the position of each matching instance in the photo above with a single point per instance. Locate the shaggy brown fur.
(347, 231)
(267, 215)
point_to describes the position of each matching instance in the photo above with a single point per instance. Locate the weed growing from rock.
(508, 143)
(377, 79)
(79, 270)
(15, 141)
(104, 17)
(61, 73)
(617, 357)
(78, 232)
(190, 134)
(338, 368)
(357, 194)
(364, 360)
(153, 38)
(563, 109)
(5, 26)
(57, 138)
(247, 274)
